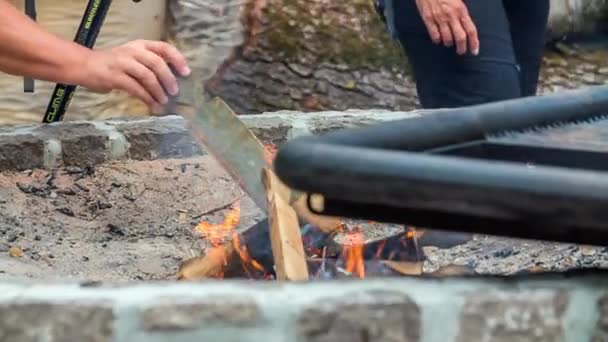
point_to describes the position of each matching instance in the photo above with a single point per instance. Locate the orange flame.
(353, 253)
(249, 264)
(218, 235)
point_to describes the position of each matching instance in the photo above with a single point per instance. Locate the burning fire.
(221, 234)
(353, 253)
(224, 242)
(355, 250)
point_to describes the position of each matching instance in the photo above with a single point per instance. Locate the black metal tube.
(87, 33)
(452, 126)
(375, 173)
(451, 192)
(30, 10)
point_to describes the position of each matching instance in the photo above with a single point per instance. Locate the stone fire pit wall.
(533, 308)
(395, 310)
(85, 143)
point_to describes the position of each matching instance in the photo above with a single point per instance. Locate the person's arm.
(138, 67)
(449, 22)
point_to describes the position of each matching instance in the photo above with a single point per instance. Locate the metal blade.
(588, 134)
(214, 125)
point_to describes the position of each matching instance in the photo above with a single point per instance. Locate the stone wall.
(576, 16)
(541, 308)
(571, 308)
(82, 143)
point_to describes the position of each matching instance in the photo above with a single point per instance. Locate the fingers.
(460, 37)
(170, 54)
(135, 89)
(449, 22)
(429, 20)
(471, 32)
(160, 68)
(446, 34)
(140, 68)
(150, 67)
(148, 80)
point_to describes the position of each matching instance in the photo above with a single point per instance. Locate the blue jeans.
(511, 35)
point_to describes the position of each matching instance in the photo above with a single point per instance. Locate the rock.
(361, 317)
(66, 211)
(569, 51)
(21, 152)
(590, 79)
(15, 252)
(555, 61)
(589, 67)
(504, 253)
(25, 322)
(169, 314)
(164, 137)
(588, 250)
(82, 144)
(555, 79)
(116, 230)
(601, 333)
(508, 316)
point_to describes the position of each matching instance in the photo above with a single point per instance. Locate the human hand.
(142, 68)
(448, 21)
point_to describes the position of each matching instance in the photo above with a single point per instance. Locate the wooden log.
(404, 267)
(211, 265)
(285, 238)
(298, 201)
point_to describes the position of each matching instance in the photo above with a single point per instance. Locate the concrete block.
(56, 322)
(188, 314)
(380, 316)
(21, 152)
(165, 137)
(504, 316)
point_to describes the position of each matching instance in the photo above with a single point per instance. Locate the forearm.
(26, 49)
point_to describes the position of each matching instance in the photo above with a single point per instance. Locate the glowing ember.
(270, 152)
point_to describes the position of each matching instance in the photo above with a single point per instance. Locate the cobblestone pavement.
(573, 66)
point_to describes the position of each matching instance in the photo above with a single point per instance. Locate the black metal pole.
(30, 10)
(87, 33)
(388, 172)
(459, 125)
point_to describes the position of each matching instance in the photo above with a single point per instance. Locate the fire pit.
(103, 223)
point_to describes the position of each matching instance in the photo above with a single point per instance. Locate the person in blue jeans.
(470, 52)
